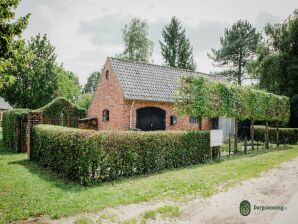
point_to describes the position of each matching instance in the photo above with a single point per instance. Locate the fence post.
(266, 136)
(229, 144)
(252, 133)
(277, 134)
(245, 145)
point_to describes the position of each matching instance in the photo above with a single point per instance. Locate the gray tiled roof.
(141, 81)
(4, 105)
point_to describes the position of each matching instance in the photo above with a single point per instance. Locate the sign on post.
(216, 138)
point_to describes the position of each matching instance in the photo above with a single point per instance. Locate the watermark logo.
(245, 208)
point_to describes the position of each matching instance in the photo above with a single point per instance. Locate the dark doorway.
(215, 123)
(151, 119)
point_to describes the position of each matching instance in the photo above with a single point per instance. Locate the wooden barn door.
(151, 119)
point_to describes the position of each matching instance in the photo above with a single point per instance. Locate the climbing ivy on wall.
(201, 97)
(9, 125)
(62, 112)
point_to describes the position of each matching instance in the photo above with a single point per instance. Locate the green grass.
(27, 190)
(168, 211)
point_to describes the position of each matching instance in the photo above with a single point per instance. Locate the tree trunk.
(252, 134)
(277, 134)
(236, 136)
(266, 136)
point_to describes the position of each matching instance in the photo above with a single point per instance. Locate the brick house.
(138, 95)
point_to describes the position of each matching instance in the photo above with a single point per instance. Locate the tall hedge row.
(9, 125)
(201, 97)
(288, 135)
(90, 156)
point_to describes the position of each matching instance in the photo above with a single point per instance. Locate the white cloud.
(86, 32)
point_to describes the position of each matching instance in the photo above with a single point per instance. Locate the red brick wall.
(109, 96)
(182, 121)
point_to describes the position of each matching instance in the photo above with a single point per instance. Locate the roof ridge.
(163, 66)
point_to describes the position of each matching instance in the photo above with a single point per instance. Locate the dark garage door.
(151, 119)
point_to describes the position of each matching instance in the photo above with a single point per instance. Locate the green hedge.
(92, 156)
(60, 110)
(201, 97)
(289, 134)
(9, 124)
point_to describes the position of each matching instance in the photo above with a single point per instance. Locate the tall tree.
(277, 63)
(175, 48)
(138, 47)
(68, 84)
(36, 83)
(92, 82)
(238, 47)
(11, 45)
(84, 100)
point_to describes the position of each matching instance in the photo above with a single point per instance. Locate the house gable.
(108, 96)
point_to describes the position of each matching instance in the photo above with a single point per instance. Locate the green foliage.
(62, 112)
(201, 97)
(238, 46)
(137, 45)
(9, 125)
(92, 82)
(36, 83)
(277, 63)
(68, 84)
(84, 100)
(91, 156)
(289, 134)
(176, 49)
(11, 45)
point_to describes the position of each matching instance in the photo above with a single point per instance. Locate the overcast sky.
(86, 32)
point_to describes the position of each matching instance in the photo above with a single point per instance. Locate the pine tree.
(176, 49)
(238, 47)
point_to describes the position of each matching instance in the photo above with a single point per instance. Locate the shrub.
(9, 125)
(91, 156)
(289, 134)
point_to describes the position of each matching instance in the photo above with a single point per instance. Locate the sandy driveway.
(275, 187)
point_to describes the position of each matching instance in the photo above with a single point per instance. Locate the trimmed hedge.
(289, 134)
(201, 97)
(9, 124)
(90, 156)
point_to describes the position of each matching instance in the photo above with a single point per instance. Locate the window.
(107, 74)
(105, 116)
(193, 120)
(173, 120)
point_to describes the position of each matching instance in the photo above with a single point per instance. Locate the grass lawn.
(27, 190)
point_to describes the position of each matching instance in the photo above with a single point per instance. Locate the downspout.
(130, 115)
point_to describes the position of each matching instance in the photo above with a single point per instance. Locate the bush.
(91, 156)
(285, 134)
(9, 125)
